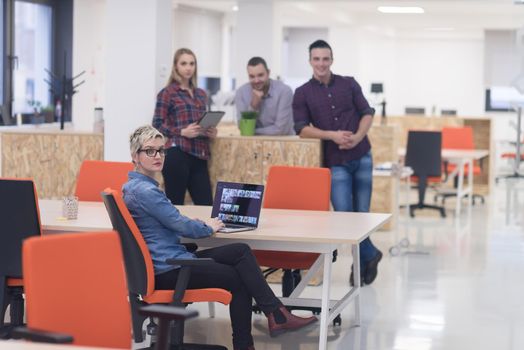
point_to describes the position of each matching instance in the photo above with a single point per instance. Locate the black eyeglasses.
(151, 152)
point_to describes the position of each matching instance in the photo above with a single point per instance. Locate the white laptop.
(238, 205)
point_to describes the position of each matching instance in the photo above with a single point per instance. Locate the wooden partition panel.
(51, 158)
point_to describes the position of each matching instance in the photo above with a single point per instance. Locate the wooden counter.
(248, 159)
(50, 156)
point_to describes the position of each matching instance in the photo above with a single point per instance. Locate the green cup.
(247, 127)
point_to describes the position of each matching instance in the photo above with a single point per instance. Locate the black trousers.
(236, 270)
(182, 172)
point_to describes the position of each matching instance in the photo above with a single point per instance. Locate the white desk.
(286, 230)
(461, 158)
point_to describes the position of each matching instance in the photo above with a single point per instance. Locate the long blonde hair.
(174, 74)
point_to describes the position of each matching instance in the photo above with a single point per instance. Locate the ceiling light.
(235, 8)
(400, 9)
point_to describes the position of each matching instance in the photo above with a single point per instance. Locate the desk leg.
(355, 250)
(326, 294)
(470, 183)
(460, 187)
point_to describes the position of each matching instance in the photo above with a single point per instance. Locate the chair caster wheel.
(337, 321)
(394, 251)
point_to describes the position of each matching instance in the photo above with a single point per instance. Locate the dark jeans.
(351, 187)
(182, 172)
(235, 269)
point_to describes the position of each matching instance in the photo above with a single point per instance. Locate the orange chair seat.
(511, 155)
(285, 260)
(431, 179)
(476, 169)
(191, 296)
(15, 282)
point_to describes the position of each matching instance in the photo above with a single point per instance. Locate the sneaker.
(372, 268)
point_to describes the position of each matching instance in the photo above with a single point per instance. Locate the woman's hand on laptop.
(215, 224)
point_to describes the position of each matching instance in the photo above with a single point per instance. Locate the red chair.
(294, 188)
(95, 175)
(460, 138)
(20, 219)
(74, 282)
(140, 274)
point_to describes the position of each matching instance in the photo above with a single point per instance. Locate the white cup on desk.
(70, 207)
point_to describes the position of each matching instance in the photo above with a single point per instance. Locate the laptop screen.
(237, 203)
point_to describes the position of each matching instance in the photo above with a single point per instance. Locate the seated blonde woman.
(234, 267)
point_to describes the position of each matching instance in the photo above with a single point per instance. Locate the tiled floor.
(459, 285)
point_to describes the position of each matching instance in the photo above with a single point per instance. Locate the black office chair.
(423, 155)
(20, 219)
(140, 277)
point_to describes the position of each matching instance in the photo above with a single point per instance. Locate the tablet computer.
(210, 118)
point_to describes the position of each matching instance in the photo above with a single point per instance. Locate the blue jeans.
(351, 185)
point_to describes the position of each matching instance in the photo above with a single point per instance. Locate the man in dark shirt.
(332, 108)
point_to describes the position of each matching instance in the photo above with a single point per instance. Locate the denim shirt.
(160, 223)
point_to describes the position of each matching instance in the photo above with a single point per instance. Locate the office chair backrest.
(19, 219)
(457, 138)
(298, 188)
(423, 152)
(75, 284)
(139, 266)
(95, 175)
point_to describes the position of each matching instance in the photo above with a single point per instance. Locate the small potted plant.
(248, 122)
(37, 109)
(49, 113)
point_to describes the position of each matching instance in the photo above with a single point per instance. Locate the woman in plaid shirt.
(178, 108)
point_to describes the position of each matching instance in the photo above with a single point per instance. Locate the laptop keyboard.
(234, 226)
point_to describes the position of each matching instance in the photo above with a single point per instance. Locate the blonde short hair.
(140, 136)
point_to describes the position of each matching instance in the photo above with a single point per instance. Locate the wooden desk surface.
(275, 224)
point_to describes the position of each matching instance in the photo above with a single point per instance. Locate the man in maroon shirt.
(332, 108)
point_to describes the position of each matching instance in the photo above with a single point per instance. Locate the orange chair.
(95, 175)
(294, 188)
(460, 138)
(73, 282)
(140, 274)
(20, 218)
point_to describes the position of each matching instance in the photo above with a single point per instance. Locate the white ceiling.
(459, 14)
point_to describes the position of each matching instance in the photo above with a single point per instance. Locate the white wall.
(254, 36)
(138, 49)
(503, 62)
(417, 70)
(201, 31)
(89, 55)
(295, 59)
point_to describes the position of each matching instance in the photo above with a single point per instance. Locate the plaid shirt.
(339, 105)
(176, 109)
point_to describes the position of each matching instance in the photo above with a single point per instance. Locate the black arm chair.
(19, 219)
(141, 280)
(423, 155)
